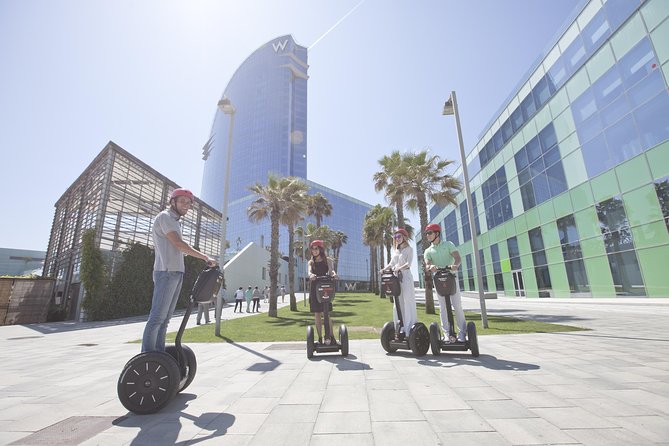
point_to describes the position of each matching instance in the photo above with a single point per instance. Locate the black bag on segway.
(207, 285)
(391, 284)
(444, 282)
(325, 287)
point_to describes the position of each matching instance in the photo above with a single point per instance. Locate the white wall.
(246, 267)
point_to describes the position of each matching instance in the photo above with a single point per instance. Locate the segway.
(444, 282)
(325, 294)
(151, 379)
(418, 339)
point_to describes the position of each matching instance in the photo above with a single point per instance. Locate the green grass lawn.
(363, 313)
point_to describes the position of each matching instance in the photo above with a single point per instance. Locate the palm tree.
(295, 206)
(320, 207)
(377, 223)
(392, 180)
(339, 239)
(270, 201)
(426, 180)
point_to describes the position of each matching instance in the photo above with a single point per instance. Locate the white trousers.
(456, 302)
(407, 302)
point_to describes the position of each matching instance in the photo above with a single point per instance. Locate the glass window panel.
(623, 140)
(547, 137)
(652, 120)
(574, 55)
(662, 191)
(618, 11)
(528, 107)
(589, 129)
(557, 74)
(507, 210)
(638, 63)
(527, 194)
(541, 190)
(514, 253)
(524, 176)
(646, 89)
(556, 179)
(552, 157)
(517, 119)
(533, 148)
(537, 167)
(506, 130)
(608, 87)
(497, 141)
(521, 159)
(584, 106)
(626, 274)
(542, 92)
(616, 110)
(536, 240)
(596, 32)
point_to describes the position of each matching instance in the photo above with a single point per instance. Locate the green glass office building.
(570, 180)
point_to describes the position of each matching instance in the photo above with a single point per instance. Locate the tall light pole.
(226, 107)
(451, 108)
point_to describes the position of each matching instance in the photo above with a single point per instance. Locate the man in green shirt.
(444, 254)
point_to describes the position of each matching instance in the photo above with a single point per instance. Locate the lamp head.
(226, 106)
(448, 107)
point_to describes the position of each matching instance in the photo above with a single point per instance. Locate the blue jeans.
(166, 289)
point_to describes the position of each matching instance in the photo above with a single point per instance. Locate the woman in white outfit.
(401, 259)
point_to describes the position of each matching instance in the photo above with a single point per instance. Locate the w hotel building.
(570, 181)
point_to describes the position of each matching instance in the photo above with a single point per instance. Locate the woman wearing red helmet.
(168, 268)
(444, 254)
(319, 265)
(400, 263)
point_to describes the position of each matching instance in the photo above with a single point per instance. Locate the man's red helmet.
(401, 231)
(433, 227)
(317, 243)
(181, 193)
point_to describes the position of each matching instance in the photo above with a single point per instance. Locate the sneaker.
(320, 340)
(461, 338)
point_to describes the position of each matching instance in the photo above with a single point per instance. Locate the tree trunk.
(291, 268)
(429, 298)
(273, 264)
(383, 263)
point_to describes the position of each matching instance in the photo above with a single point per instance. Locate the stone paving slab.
(605, 386)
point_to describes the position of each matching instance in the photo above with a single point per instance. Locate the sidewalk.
(606, 386)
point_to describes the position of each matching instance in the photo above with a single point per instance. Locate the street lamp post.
(451, 108)
(226, 107)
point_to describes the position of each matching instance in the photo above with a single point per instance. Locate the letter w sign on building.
(279, 45)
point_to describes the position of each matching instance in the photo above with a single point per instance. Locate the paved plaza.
(605, 386)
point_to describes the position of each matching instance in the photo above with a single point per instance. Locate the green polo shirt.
(440, 255)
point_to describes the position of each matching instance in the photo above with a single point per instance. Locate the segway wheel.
(473, 340)
(148, 382)
(387, 335)
(435, 339)
(343, 339)
(310, 342)
(419, 339)
(190, 365)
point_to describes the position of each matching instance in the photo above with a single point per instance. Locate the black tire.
(310, 342)
(387, 335)
(148, 382)
(189, 362)
(343, 339)
(419, 339)
(435, 339)
(473, 340)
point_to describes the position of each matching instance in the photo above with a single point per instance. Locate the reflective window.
(514, 253)
(497, 267)
(619, 244)
(496, 199)
(618, 11)
(484, 274)
(573, 257)
(470, 272)
(596, 32)
(464, 222)
(451, 228)
(608, 87)
(637, 63)
(574, 55)
(662, 190)
(540, 263)
(652, 120)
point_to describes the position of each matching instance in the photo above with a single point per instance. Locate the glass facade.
(572, 172)
(269, 136)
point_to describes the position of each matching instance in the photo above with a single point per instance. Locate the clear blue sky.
(147, 74)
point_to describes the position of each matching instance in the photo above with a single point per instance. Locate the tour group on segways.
(151, 379)
(392, 339)
(322, 275)
(325, 293)
(444, 283)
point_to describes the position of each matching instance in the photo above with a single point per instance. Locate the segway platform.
(325, 292)
(150, 380)
(444, 283)
(418, 339)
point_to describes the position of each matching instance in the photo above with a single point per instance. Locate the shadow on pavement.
(487, 361)
(268, 366)
(161, 429)
(344, 363)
